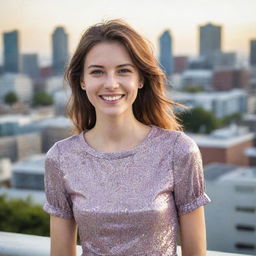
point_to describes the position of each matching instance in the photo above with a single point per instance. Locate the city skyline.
(37, 19)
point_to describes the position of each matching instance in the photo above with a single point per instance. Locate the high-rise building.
(210, 41)
(11, 52)
(166, 57)
(59, 50)
(253, 52)
(30, 65)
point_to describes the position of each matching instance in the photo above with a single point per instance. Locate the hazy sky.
(36, 20)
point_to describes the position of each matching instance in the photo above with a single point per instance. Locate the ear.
(82, 84)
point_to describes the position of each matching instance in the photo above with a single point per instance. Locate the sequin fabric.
(126, 203)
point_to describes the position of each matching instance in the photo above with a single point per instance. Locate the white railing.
(14, 244)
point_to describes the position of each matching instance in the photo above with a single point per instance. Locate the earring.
(141, 85)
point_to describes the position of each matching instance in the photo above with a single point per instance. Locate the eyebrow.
(119, 66)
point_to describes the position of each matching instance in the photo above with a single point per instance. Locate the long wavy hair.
(151, 105)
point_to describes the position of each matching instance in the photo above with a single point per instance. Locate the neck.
(116, 129)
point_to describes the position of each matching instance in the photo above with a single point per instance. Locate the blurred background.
(207, 50)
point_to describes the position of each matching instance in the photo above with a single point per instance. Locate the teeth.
(112, 98)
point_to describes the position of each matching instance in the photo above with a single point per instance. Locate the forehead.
(107, 53)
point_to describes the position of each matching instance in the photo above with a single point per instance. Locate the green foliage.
(21, 216)
(42, 99)
(229, 119)
(199, 120)
(10, 98)
(192, 88)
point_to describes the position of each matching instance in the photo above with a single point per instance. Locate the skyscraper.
(210, 41)
(59, 50)
(166, 57)
(11, 52)
(253, 52)
(30, 65)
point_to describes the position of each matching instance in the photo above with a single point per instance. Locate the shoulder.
(185, 144)
(60, 146)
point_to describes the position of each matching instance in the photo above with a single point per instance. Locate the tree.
(42, 98)
(192, 89)
(22, 216)
(199, 120)
(10, 98)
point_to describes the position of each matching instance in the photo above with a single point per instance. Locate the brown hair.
(151, 105)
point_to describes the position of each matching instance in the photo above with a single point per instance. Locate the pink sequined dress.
(126, 203)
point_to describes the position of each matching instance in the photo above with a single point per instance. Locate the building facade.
(253, 53)
(209, 41)
(11, 52)
(166, 56)
(59, 50)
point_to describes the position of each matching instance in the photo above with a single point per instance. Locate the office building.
(11, 52)
(222, 104)
(30, 65)
(20, 84)
(253, 52)
(166, 57)
(59, 50)
(209, 41)
(230, 217)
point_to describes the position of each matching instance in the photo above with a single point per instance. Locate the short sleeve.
(189, 185)
(58, 201)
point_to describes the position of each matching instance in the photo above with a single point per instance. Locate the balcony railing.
(14, 244)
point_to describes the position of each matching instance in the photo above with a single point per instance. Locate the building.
(20, 84)
(209, 41)
(55, 84)
(180, 64)
(30, 65)
(29, 174)
(20, 147)
(10, 124)
(253, 52)
(199, 78)
(224, 60)
(226, 145)
(229, 79)
(166, 57)
(230, 217)
(59, 50)
(222, 104)
(11, 52)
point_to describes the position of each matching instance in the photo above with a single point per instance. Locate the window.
(242, 227)
(244, 246)
(245, 189)
(247, 209)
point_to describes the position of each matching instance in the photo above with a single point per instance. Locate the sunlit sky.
(36, 20)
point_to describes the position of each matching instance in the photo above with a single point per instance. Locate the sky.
(37, 19)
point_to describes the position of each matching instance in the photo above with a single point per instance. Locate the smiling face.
(110, 79)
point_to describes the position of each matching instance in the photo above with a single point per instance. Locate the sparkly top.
(126, 203)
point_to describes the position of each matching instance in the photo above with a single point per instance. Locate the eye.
(96, 72)
(124, 70)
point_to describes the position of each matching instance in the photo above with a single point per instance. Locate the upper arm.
(193, 233)
(63, 234)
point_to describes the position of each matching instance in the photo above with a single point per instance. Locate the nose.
(111, 82)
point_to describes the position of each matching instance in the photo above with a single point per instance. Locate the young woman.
(129, 178)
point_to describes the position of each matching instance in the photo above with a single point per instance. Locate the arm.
(63, 236)
(193, 233)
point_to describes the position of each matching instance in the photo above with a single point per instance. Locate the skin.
(106, 73)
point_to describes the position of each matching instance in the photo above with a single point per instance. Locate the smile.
(111, 98)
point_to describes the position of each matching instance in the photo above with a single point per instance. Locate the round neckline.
(119, 154)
